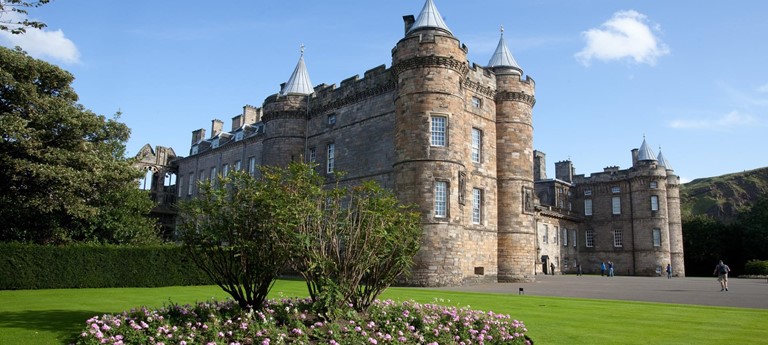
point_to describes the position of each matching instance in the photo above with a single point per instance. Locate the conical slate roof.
(429, 18)
(503, 57)
(645, 154)
(299, 82)
(663, 161)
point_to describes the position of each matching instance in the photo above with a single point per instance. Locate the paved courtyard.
(743, 293)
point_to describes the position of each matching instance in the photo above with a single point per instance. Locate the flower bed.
(288, 321)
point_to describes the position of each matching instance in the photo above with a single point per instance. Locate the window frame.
(656, 236)
(477, 206)
(654, 203)
(438, 131)
(476, 143)
(441, 199)
(330, 159)
(588, 207)
(616, 205)
(618, 238)
(589, 238)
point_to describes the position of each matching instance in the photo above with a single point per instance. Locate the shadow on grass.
(66, 324)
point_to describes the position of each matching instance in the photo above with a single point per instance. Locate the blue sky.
(690, 76)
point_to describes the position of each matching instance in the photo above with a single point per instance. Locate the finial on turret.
(301, 48)
(502, 30)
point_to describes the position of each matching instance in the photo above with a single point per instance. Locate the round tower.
(674, 218)
(285, 118)
(429, 64)
(514, 157)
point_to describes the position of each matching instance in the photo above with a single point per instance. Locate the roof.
(299, 82)
(502, 57)
(429, 18)
(663, 161)
(645, 153)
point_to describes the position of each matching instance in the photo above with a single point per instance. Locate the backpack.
(723, 269)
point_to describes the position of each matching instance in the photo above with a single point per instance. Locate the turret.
(514, 146)
(674, 218)
(429, 64)
(285, 118)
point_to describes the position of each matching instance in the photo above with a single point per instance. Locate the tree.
(349, 244)
(9, 21)
(63, 171)
(233, 231)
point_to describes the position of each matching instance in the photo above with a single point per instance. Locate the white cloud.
(730, 120)
(41, 44)
(627, 35)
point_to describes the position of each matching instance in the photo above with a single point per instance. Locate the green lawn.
(55, 316)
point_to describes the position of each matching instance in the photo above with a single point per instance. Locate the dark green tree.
(63, 172)
(18, 23)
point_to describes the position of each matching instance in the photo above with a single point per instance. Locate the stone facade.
(455, 139)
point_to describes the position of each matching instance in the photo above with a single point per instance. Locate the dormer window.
(215, 143)
(194, 149)
(239, 136)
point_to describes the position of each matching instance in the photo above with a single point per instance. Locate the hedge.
(24, 266)
(756, 267)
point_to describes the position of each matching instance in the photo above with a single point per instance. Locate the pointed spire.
(429, 18)
(663, 161)
(503, 57)
(645, 154)
(299, 82)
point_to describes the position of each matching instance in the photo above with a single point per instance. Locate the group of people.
(609, 270)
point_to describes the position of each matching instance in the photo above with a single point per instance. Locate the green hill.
(724, 197)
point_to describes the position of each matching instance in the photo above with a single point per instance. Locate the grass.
(55, 316)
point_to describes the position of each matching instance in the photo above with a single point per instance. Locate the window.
(587, 192)
(213, 173)
(252, 166)
(215, 143)
(575, 238)
(238, 165)
(225, 170)
(477, 201)
(441, 199)
(554, 235)
(191, 183)
(477, 144)
(587, 207)
(476, 102)
(201, 175)
(331, 161)
(656, 237)
(194, 149)
(615, 190)
(564, 237)
(331, 119)
(616, 205)
(654, 202)
(312, 155)
(618, 238)
(438, 130)
(590, 238)
(239, 136)
(654, 185)
(545, 233)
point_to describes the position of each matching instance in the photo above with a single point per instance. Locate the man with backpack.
(721, 270)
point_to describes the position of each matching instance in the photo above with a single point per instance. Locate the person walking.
(578, 270)
(552, 267)
(721, 270)
(610, 268)
(669, 271)
(602, 269)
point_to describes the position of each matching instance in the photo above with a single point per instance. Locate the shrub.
(289, 321)
(756, 267)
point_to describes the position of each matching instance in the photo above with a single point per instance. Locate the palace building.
(456, 139)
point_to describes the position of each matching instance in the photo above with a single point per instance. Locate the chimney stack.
(216, 127)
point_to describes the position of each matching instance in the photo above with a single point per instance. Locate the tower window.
(476, 102)
(477, 144)
(654, 185)
(590, 238)
(656, 237)
(438, 130)
(654, 202)
(587, 192)
(441, 199)
(616, 190)
(331, 119)
(331, 162)
(616, 205)
(587, 207)
(477, 202)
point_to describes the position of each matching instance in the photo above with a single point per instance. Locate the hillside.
(723, 197)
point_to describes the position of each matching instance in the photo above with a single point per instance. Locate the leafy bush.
(756, 267)
(289, 321)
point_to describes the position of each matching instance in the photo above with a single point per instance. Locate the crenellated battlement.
(376, 81)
